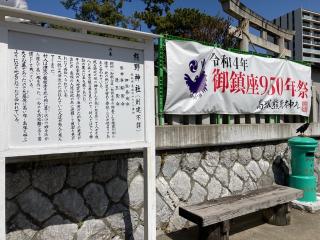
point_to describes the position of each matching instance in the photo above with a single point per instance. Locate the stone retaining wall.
(76, 198)
(191, 177)
(101, 197)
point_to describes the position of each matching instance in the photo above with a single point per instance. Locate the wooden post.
(278, 215)
(219, 231)
(225, 230)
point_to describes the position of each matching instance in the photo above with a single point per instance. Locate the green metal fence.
(214, 118)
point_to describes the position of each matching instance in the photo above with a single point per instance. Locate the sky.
(269, 9)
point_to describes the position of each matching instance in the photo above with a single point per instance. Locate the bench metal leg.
(278, 215)
(219, 231)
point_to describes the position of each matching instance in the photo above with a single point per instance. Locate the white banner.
(204, 80)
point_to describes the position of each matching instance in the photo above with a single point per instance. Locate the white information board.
(72, 92)
(65, 91)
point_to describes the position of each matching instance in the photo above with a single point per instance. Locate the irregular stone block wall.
(101, 197)
(77, 198)
(190, 177)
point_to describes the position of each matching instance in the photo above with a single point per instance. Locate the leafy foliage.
(103, 12)
(191, 23)
(153, 10)
(183, 22)
(109, 12)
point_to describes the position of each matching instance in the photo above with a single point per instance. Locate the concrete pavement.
(304, 226)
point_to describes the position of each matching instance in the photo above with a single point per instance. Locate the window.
(306, 40)
(293, 27)
(305, 24)
(286, 44)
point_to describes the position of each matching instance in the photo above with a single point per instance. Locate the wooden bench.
(213, 217)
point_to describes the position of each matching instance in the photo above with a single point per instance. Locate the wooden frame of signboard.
(138, 40)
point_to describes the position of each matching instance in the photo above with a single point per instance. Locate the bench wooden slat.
(227, 208)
